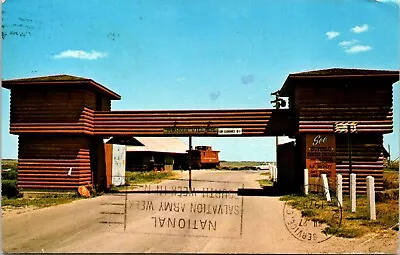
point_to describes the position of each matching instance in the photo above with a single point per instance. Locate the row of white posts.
(339, 191)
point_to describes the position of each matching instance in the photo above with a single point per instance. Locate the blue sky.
(218, 54)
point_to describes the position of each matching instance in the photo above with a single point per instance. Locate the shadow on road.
(269, 191)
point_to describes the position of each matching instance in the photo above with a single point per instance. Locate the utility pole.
(351, 128)
(190, 163)
(348, 127)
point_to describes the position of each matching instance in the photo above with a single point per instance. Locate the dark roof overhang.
(336, 73)
(61, 81)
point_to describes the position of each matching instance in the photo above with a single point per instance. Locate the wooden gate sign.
(321, 158)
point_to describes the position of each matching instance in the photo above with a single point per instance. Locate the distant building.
(164, 153)
(153, 153)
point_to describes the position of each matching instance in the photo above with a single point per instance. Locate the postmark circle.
(306, 225)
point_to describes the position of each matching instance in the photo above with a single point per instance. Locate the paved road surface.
(173, 223)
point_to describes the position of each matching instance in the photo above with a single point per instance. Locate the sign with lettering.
(191, 130)
(229, 131)
(173, 210)
(344, 126)
(118, 164)
(321, 158)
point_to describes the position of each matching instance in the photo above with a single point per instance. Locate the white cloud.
(348, 43)
(332, 34)
(80, 54)
(358, 48)
(360, 29)
(389, 1)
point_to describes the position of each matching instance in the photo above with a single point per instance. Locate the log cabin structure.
(322, 103)
(62, 120)
(54, 119)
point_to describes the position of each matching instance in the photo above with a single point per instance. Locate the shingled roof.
(159, 144)
(60, 80)
(336, 73)
(59, 77)
(343, 72)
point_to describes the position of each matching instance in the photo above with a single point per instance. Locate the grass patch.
(44, 200)
(348, 232)
(9, 164)
(352, 224)
(390, 180)
(265, 182)
(391, 165)
(240, 165)
(9, 177)
(136, 178)
(149, 177)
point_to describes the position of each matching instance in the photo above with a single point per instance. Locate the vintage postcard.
(213, 126)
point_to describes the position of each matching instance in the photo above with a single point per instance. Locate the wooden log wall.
(320, 106)
(44, 161)
(255, 122)
(55, 127)
(367, 159)
(52, 111)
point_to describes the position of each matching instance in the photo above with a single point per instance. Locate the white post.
(339, 189)
(275, 173)
(371, 198)
(326, 187)
(305, 181)
(272, 172)
(353, 192)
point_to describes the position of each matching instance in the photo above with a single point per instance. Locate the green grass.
(9, 164)
(353, 224)
(45, 200)
(9, 175)
(136, 178)
(392, 165)
(265, 182)
(239, 165)
(390, 179)
(148, 177)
